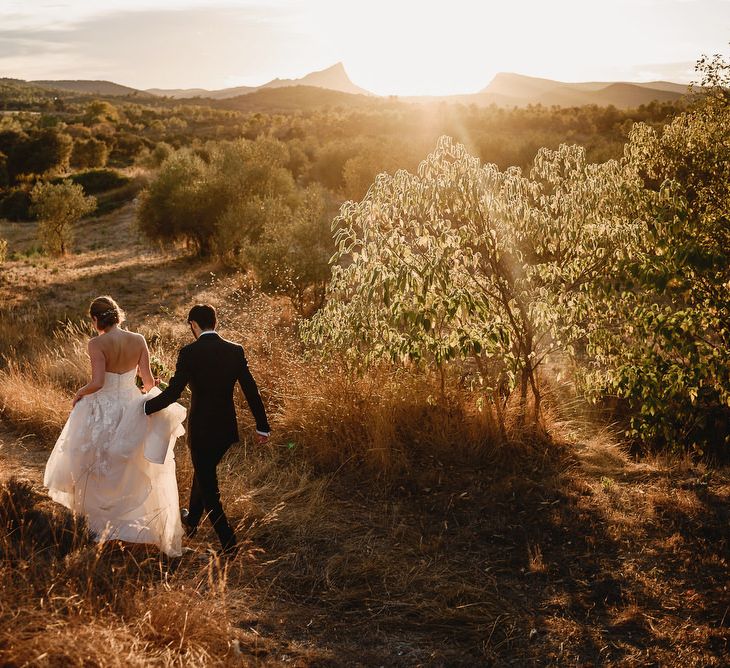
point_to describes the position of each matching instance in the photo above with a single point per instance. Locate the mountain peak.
(333, 77)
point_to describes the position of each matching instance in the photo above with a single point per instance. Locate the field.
(382, 526)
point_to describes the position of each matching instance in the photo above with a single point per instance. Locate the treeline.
(341, 148)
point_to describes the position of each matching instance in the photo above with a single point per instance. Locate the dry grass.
(383, 525)
(66, 600)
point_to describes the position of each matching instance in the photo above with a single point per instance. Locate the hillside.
(331, 78)
(91, 87)
(519, 90)
(330, 87)
(294, 98)
(188, 93)
(570, 553)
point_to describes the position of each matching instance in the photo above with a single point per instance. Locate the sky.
(390, 47)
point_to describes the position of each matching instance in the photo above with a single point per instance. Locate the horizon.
(263, 83)
(398, 48)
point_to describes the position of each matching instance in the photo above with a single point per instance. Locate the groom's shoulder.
(185, 350)
(231, 344)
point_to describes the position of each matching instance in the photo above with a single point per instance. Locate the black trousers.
(205, 495)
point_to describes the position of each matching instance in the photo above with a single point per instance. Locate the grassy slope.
(568, 555)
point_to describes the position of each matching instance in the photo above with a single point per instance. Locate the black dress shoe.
(190, 529)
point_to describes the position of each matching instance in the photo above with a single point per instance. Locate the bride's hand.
(77, 397)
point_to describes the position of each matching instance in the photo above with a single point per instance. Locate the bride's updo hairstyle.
(106, 311)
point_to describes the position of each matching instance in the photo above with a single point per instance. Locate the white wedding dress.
(103, 465)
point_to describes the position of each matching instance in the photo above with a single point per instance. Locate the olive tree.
(58, 207)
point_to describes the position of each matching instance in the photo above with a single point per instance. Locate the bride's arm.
(98, 365)
(145, 371)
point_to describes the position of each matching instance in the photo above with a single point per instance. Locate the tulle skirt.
(116, 465)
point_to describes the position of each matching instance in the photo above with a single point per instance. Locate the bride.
(111, 462)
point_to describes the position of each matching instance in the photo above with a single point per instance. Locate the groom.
(211, 366)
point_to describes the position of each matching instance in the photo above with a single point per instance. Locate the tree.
(462, 261)
(40, 153)
(662, 341)
(58, 208)
(89, 153)
(292, 254)
(179, 205)
(100, 111)
(221, 205)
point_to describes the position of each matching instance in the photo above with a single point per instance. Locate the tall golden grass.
(65, 600)
(331, 432)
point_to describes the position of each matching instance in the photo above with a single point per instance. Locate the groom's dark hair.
(204, 315)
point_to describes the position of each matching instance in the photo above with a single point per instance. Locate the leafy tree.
(217, 206)
(462, 261)
(179, 205)
(58, 208)
(159, 154)
(292, 254)
(662, 342)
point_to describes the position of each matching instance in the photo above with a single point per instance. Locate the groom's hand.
(262, 438)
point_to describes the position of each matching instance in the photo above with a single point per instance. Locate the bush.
(96, 181)
(461, 261)
(89, 153)
(220, 204)
(293, 252)
(42, 152)
(16, 205)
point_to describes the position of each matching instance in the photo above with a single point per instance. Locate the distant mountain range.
(517, 90)
(331, 78)
(505, 90)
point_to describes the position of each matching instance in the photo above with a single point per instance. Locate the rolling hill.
(189, 93)
(519, 90)
(293, 98)
(91, 87)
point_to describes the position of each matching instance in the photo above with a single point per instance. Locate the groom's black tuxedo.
(211, 366)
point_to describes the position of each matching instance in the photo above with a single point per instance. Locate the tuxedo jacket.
(212, 366)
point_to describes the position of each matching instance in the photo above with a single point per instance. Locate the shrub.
(89, 153)
(40, 153)
(220, 204)
(292, 254)
(16, 205)
(96, 181)
(463, 262)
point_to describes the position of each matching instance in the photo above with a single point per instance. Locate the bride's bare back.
(122, 350)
